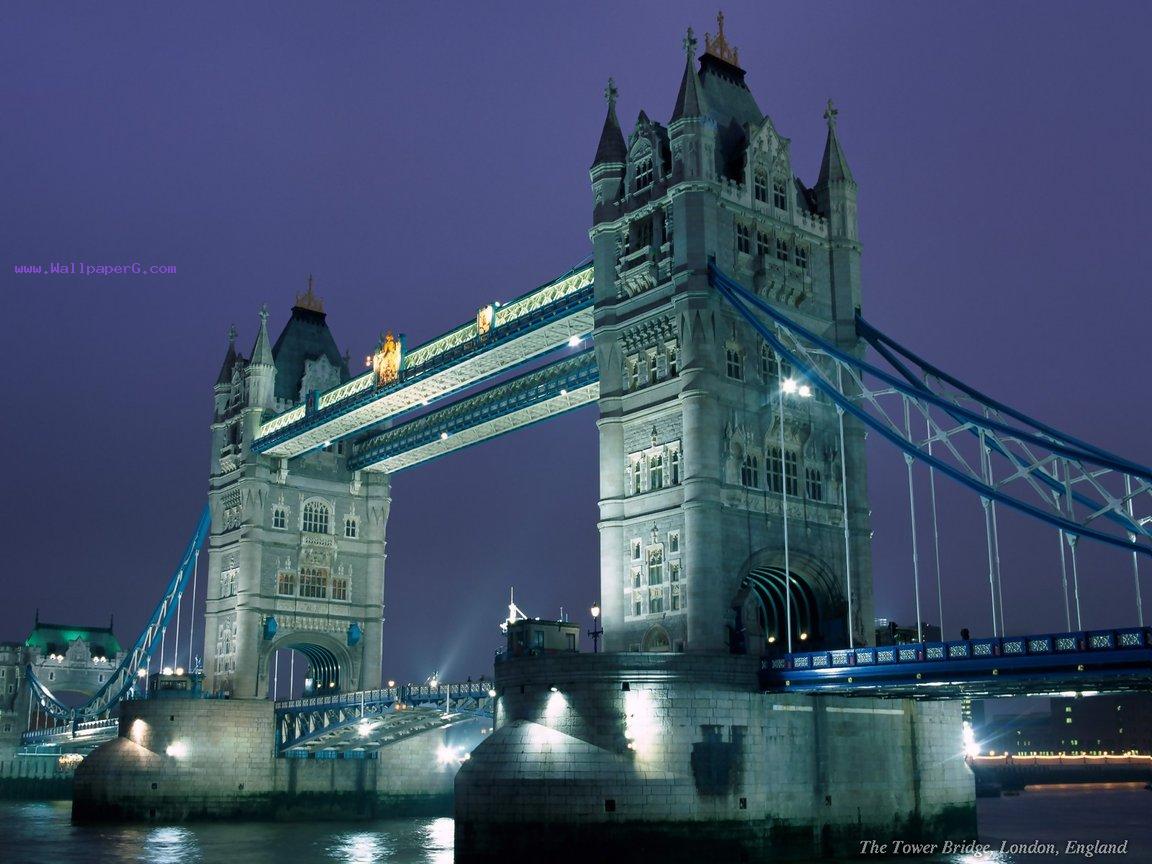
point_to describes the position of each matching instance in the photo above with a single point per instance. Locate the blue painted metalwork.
(736, 295)
(124, 677)
(1036, 664)
(574, 302)
(518, 393)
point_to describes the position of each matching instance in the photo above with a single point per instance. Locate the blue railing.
(1124, 651)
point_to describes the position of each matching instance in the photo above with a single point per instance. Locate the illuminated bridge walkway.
(1040, 665)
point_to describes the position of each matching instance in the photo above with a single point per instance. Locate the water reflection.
(440, 841)
(170, 845)
(362, 847)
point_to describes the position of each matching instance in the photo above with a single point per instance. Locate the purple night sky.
(421, 162)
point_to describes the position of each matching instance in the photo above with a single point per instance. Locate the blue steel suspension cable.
(721, 283)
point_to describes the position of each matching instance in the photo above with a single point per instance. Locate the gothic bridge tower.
(296, 556)
(692, 466)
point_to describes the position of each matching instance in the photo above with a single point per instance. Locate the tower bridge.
(719, 330)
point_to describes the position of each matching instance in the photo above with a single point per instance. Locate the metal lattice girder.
(993, 450)
(526, 328)
(522, 401)
(124, 676)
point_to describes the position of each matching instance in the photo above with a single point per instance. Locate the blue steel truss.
(124, 677)
(1076, 487)
(467, 350)
(504, 399)
(1039, 665)
(369, 719)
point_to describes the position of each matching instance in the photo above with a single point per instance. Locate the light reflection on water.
(33, 832)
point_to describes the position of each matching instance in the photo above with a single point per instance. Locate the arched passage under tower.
(767, 604)
(328, 665)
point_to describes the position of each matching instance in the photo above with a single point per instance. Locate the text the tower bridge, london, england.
(718, 327)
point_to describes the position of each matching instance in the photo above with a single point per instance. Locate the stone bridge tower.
(296, 556)
(692, 471)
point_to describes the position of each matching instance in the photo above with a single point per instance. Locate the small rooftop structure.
(530, 636)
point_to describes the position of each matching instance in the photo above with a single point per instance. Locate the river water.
(42, 833)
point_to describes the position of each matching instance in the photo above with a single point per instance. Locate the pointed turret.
(690, 99)
(834, 168)
(611, 148)
(225, 376)
(262, 350)
(260, 373)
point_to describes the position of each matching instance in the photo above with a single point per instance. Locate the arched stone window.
(316, 517)
(351, 528)
(279, 518)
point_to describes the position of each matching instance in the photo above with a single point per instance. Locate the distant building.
(1112, 723)
(888, 632)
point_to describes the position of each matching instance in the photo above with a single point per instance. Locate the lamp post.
(596, 632)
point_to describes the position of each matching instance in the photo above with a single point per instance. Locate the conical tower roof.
(225, 376)
(834, 167)
(611, 147)
(262, 350)
(690, 99)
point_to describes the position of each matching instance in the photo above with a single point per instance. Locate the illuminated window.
(315, 517)
(814, 484)
(656, 601)
(279, 518)
(350, 528)
(286, 583)
(760, 185)
(743, 238)
(656, 472)
(643, 173)
(339, 589)
(313, 582)
(655, 566)
(735, 364)
(779, 195)
(750, 472)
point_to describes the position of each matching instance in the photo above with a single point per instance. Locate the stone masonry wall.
(675, 752)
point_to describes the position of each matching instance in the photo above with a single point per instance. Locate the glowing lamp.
(443, 436)
(574, 341)
(595, 611)
(803, 635)
(391, 683)
(790, 385)
(177, 749)
(167, 670)
(491, 694)
(179, 670)
(554, 689)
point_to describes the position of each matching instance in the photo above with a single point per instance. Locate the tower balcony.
(643, 269)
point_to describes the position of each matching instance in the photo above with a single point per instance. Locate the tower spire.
(690, 100)
(834, 167)
(225, 375)
(719, 47)
(611, 147)
(308, 300)
(262, 350)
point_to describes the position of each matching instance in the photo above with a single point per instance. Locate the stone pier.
(679, 755)
(188, 759)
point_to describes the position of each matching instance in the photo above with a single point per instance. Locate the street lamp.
(596, 632)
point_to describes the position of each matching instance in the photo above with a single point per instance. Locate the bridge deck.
(1043, 664)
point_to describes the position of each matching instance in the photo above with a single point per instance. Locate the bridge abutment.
(681, 755)
(191, 759)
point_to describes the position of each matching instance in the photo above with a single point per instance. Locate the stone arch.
(766, 603)
(656, 640)
(330, 663)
